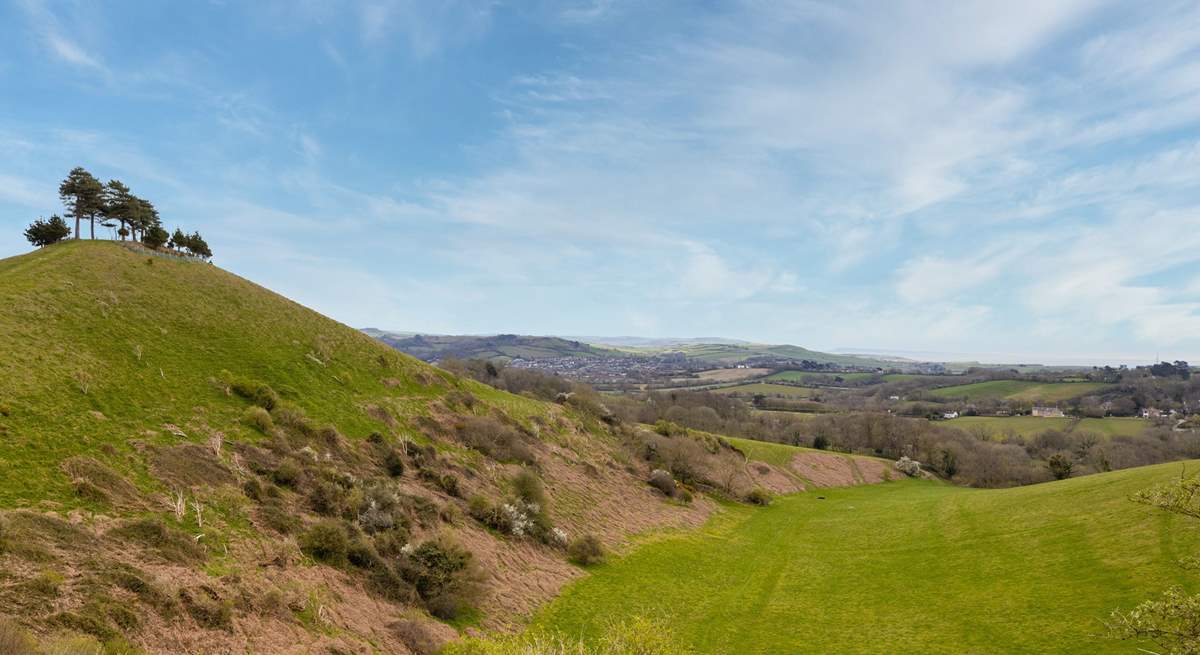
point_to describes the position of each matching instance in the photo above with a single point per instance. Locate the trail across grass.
(910, 566)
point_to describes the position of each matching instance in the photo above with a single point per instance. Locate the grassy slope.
(1020, 390)
(912, 566)
(1031, 425)
(83, 308)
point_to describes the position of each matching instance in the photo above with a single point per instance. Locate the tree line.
(87, 198)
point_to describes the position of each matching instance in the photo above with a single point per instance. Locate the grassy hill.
(726, 354)
(502, 347)
(1022, 390)
(911, 566)
(191, 463)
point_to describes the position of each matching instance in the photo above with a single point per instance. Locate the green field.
(1019, 390)
(810, 376)
(768, 389)
(911, 566)
(1026, 426)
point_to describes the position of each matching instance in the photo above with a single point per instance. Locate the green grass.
(767, 389)
(912, 566)
(1027, 426)
(808, 376)
(1026, 390)
(150, 336)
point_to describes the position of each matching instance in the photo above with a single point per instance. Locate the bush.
(259, 419)
(256, 392)
(821, 442)
(529, 488)
(207, 608)
(663, 481)
(326, 542)
(759, 496)
(171, 544)
(279, 518)
(393, 463)
(494, 439)
(684, 496)
(909, 467)
(446, 577)
(288, 472)
(586, 550)
(1060, 466)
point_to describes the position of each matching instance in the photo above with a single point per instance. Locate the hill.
(727, 354)
(503, 347)
(191, 463)
(906, 566)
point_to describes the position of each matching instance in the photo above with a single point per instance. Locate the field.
(808, 376)
(911, 566)
(767, 389)
(1020, 390)
(1026, 426)
(730, 374)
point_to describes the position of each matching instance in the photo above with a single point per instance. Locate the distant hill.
(714, 350)
(504, 347)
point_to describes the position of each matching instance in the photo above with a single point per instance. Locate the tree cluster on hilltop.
(115, 206)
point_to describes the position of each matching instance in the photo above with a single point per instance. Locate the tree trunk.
(76, 227)
(92, 220)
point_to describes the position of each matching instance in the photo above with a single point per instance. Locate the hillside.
(192, 463)
(503, 347)
(903, 567)
(726, 354)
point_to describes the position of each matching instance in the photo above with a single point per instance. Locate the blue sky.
(959, 177)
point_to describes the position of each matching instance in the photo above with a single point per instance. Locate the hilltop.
(192, 463)
(503, 347)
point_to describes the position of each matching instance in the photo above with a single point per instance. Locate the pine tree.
(120, 206)
(42, 233)
(83, 196)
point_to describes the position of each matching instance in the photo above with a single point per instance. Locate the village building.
(1048, 412)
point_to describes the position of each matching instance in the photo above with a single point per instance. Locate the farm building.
(1048, 412)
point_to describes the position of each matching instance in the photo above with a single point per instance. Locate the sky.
(1007, 178)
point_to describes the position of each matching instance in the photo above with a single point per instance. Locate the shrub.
(684, 496)
(446, 577)
(256, 392)
(393, 463)
(258, 418)
(586, 550)
(326, 542)
(279, 518)
(449, 484)
(759, 496)
(173, 545)
(288, 472)
(207, 608)
(380, 510)
(1060, 466)
(529, 488)
(909, 467)
(663, 481)
(820, 442)
(494, 439)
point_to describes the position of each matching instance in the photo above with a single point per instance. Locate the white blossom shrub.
(909, 467)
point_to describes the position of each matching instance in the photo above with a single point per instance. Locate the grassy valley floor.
(912, 566)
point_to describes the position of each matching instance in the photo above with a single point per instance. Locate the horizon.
(1009, 181)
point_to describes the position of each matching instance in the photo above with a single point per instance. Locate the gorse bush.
(759, 496)
(326, 542)
(259, 419)
(586, 550)
(446, 577)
